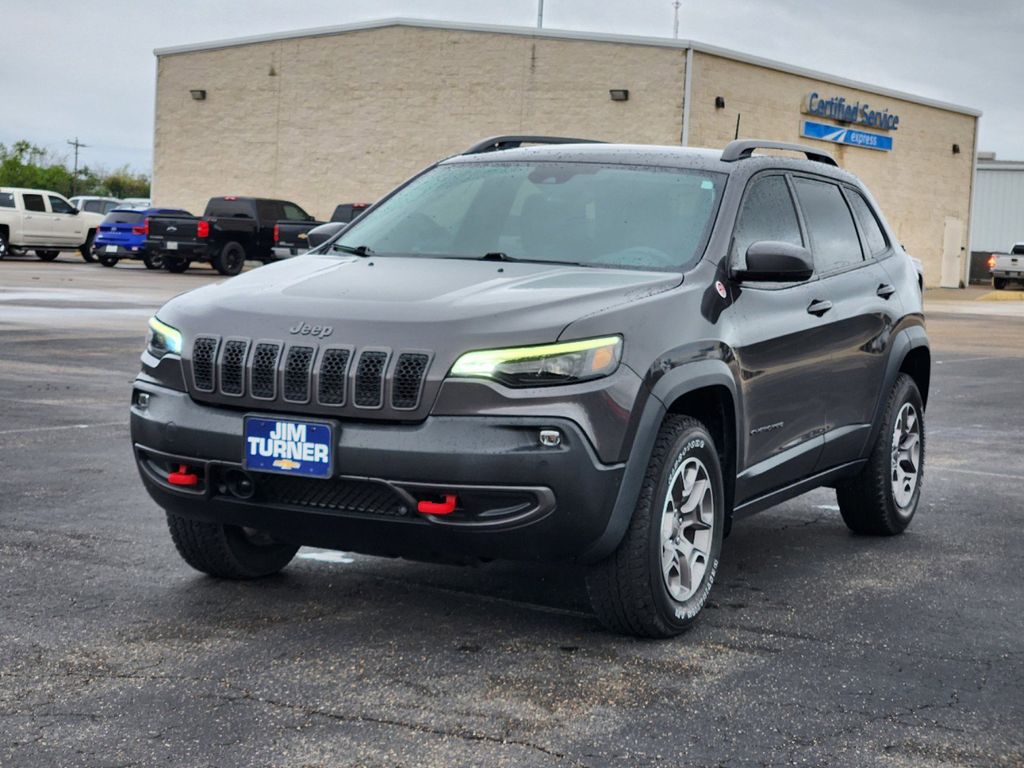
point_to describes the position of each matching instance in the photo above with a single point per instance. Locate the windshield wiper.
(358, 250)
(499, 256)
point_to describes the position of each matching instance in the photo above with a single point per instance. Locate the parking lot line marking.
(985, 474)
(968, 359)
(63, 426)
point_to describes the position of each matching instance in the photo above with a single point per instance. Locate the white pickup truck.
(1007, 266)
(45, 222)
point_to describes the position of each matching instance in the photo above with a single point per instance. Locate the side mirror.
(323, 233)
(74, 211)
(774, 261)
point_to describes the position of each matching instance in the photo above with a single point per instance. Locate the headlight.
(162, 338)
(562, 363)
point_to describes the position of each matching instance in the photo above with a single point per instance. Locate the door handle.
(885, 290)
(819, 307)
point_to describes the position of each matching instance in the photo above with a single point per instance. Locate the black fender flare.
(905, 341)
(667, 389)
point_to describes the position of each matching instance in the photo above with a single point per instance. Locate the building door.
(952, 268)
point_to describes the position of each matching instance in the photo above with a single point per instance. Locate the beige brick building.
(344, 114)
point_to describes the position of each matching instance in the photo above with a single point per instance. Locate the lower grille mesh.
(340, 495)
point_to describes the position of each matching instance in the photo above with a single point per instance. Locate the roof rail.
(744, 148)
(496, 143)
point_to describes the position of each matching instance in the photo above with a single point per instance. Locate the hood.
(448, 306)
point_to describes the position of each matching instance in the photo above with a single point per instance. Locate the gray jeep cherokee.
(569, 351)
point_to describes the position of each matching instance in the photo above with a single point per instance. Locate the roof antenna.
(675, 25)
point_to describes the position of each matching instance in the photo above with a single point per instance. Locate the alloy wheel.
(687, 529)
(906, 456)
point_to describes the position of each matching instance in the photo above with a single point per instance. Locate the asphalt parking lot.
(818, 647)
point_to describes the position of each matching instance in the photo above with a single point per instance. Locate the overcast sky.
(85, 68)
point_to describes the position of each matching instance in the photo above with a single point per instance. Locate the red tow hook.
(183, 476)
(445, 507)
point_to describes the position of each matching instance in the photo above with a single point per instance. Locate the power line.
(74, 175)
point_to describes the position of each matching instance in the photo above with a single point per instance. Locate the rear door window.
(874, 238)
(6, 199)
(767, 214)
(34, 203)
(834, 240)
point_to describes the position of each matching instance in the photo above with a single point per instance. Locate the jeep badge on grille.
(305, 329)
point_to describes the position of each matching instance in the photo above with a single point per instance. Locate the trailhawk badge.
(288, 447)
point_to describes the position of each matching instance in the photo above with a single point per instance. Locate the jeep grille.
(332, 379)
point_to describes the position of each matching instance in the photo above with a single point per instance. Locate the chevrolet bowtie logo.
(287, 464)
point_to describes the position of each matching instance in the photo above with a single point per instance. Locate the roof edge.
(564, 34)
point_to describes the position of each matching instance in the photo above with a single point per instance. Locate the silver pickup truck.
(1007, 266)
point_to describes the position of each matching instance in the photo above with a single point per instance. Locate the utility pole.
(675, 25)
(540, 13)
(74, 175)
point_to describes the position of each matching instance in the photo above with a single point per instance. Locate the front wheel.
(657, 581)
(230, 260)
(47, 255)
(153, 260)
(228, 551)
(882, 499)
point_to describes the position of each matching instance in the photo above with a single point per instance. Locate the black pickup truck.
(231, 231)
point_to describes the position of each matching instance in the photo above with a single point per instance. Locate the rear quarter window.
(873, 235)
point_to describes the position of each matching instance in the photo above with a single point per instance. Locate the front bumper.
(517, 499)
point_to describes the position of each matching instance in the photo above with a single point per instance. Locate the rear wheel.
(999, 283)
(657, 581)
(86, 248)
(228, 551)
(230, 260)
(882, 499)
(108, 261)
(47, 255)
(153, 261)
(3, 245)
(176, 264)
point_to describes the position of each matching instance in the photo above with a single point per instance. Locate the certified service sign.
(851, 136)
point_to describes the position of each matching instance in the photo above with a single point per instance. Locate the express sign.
(859, 113)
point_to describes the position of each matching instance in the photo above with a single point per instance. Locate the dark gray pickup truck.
(591, 353)
(231, 231)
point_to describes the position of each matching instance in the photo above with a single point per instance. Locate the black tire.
(3, 246)
(47, 255)
(230, 260)
(108, 261)
(153, 261)
(627, 590)
(227, 551)
(86, 248)
(999, 283)
(176, 264)
(868, 501)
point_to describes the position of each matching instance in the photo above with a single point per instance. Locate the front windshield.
(592, 214)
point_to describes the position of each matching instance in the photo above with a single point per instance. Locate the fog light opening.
(550, 438)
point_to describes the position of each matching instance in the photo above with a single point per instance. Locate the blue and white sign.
(288, 447)
(839, 135)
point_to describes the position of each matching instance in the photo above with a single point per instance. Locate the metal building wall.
(998, 215)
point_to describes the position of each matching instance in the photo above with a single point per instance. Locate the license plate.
(288, 447)
(111, 249)
(172, 246)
